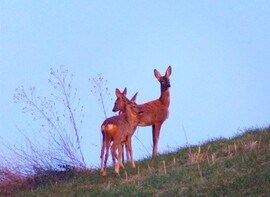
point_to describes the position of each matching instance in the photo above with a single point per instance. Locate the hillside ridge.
(239, 166)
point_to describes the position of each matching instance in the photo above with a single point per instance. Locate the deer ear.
(117, 92)
(133, 99)
(168, 71)
(157, 74)
(124, 92)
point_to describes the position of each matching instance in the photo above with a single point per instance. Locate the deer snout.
(115, 108)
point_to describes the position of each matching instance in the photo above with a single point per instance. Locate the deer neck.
(165, 97)
(131, 117)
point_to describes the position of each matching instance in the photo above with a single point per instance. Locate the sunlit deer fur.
(119, 105)
(119, 129)
(157, 111)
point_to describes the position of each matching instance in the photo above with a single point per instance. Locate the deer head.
(120, 104)
(164, 80)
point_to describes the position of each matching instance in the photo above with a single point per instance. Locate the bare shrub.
(57, 142)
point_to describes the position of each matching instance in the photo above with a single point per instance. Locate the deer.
(119, 105)
(157, 111)
(119, 130)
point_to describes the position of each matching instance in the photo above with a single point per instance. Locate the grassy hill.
(222, 167)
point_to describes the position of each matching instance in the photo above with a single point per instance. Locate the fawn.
(119, 129)
(157, 111)
(119, 105)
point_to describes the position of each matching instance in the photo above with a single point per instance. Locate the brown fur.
(120, 106)
(119, 129)
(157, 111)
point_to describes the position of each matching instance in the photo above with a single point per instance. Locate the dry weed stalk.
(101, 91)
(150, 170)
(213, 159)
(230, 151)
(126, 175)
(196, 157)
(164, 167)
(251, 146)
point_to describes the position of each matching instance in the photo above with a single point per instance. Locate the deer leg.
(102, 157)
(155, 133)
(124, 146)
(103, 170)
(114, 156)
(119, 162)
(102, 150)
(129, 151)
(113, 153)
(123, 158)
(120, 156)
(107, 147)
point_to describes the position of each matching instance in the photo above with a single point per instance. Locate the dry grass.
(11, 182)
(216, 168)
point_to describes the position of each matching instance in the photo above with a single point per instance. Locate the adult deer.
(157, 111)
(119, 129)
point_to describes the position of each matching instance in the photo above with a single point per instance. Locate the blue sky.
(218, 50)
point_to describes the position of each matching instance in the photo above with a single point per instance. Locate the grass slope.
(223, 167)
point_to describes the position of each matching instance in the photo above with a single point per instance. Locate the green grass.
(239, 166)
